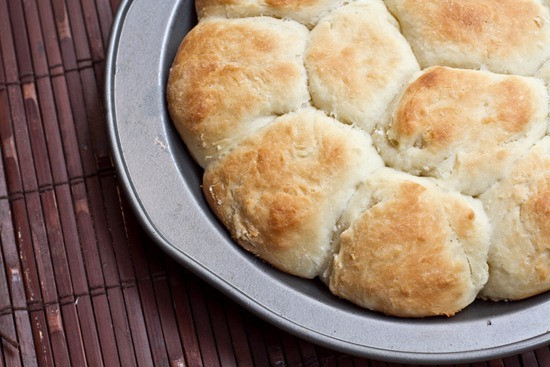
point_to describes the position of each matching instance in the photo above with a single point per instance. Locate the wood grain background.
(79, 282)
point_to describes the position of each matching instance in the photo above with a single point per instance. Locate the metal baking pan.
(163, 185)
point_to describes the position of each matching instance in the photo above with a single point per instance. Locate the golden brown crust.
(463, 126)
(378, 62)
(401, 245)
(519, 207)
(281, 190)
(276, 4)
(439, 106)
(291, 4)
(509, 36)
(227, 73)
(404, 254)
(306, 12)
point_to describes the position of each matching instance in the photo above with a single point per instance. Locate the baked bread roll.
(307, 12)
(410, 248)
(281, 191)
(464, 127)
(231, 77)
(519, 210)
(378, 61)
(503, 36)
(276, 99)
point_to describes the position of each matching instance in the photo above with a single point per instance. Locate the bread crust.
(307, 12)
(410, 248)
(378, 61)
(464, 127)
(519, 209)
(504, 36)
(544, 74)
(230, 76)
(282, 190)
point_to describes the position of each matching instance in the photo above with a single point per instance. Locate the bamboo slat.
(80, 283)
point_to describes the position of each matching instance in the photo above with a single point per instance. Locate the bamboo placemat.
(80, 284)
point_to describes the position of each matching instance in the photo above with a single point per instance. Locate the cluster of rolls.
(396, 149)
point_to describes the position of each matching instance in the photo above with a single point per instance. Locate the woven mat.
(79, 282)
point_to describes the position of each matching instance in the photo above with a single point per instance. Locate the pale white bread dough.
(519, 210)
(410, 248)
(231, 77)
(544, 74)
(281, 191)
(464, 127)
(503, 36)
(307, 12)
(357, 62)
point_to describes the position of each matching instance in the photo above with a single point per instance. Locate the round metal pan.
(163, 185)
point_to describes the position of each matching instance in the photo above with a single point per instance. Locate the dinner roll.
(504, 36)
(410, 248)
(464, 127)
(281, 191)
(306, 12)
(519, 209)
(357, 62)
(231, 77)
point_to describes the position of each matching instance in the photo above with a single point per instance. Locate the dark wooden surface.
(80, 284)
